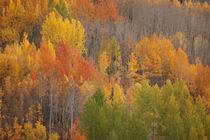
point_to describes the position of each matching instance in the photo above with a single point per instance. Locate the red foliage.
(63, 54)
(33, 76)
(71, 63)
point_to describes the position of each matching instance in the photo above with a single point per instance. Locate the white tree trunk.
(51, 104)
(72, 109)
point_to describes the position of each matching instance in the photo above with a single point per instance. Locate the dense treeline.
(128, 20)
(167, 113)
(104, 69)
(144, 18)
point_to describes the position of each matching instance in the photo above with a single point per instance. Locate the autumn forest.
(104, 70)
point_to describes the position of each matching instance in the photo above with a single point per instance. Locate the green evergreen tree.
(173, 121)
(146, 109)
(94, 121)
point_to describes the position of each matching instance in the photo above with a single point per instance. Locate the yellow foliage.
(206, 6)
(17, 60)
(103, 62)
(9, 67)
(56, 30)
(132, 64)
(188, 4)
(107, 92)
(190, 81)
(54, 136)
(13, 21)
(40, 131)
(8, 34)
(52, 50)
(28, 132)
(167, 54)
(57, 1)
(87, 88)
(181, 64)
(179, 40)
(39, 113)
(118, 97)
(148, 56)
(177, 3)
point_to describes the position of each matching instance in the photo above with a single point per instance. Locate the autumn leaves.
(76, 69)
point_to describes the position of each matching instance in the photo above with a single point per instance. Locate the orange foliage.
(17, 130)
(37, 10)
(148, 56)
(14, 133)
(181, 64)
(85, 8)
(71, 63)
(202, 82)
(75, 134)
(104, 11)
(33, 76)
(47, 62)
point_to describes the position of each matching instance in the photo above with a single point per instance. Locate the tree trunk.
(51, 103)
(72, 109)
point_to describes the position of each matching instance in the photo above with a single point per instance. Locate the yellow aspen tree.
(103, 62)
(206, 6)
(147, 52)
(40, 131)
(112, 48)
(181, 64)
(56, 30)
(132, 65)
(167, 54)
(13, 22)
(9, 65)
(39, 113)
(28, 132)
(118, 96)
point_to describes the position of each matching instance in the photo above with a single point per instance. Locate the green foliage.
(128, 110)
(93, 116)
(99, 97)
(112, 120)
(146, 109)
(60, 7)
(167, 113)
(173, 121)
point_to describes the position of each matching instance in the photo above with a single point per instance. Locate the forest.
(104, 70)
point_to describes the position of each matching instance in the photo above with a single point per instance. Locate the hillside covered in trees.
(104, 70)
